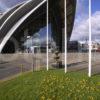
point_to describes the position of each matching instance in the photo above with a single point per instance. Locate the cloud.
(81, 25)
(81, 30)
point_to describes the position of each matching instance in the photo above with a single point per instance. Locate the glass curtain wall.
(56, 33)
(36, 42)
(26, 49)
(77, 45)
(95, 21)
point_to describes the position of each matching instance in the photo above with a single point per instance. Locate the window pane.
(95, 20)
(78, 41)
(25, 50)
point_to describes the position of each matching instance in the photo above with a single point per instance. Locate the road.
(8, 69)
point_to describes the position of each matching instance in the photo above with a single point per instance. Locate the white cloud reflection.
(81, 26)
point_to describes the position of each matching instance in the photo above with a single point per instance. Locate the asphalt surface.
(8, 69)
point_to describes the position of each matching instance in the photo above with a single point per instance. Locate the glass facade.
(77, 46)
(27, 47)
(95, 20)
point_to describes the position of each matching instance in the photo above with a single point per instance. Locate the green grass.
(51, 85)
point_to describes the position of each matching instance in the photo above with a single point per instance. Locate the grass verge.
(51, 85)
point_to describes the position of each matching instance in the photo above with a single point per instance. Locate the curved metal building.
(31, 15)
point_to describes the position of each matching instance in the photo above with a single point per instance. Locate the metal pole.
(47, 35)
(90, 42)
(65, 11)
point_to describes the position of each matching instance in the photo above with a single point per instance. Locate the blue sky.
(96, 5)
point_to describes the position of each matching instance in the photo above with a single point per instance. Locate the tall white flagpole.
(65, 12)
(47, 35)
(90, 41)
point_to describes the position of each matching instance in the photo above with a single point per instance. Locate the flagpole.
(47, 35)
(65, 12)
(90, 42)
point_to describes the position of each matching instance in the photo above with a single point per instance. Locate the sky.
(81, 25)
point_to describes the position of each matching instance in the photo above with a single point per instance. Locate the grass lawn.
(51, 85)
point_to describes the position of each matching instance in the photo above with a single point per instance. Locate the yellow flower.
(98, 83)
(43, 97)
(91, 98)
(49, 99)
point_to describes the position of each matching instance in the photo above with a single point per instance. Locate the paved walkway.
(8, 69)
(11, 68)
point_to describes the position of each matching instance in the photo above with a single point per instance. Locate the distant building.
(96, 46)
(84, 46)
(42, 47)
(73, 46)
